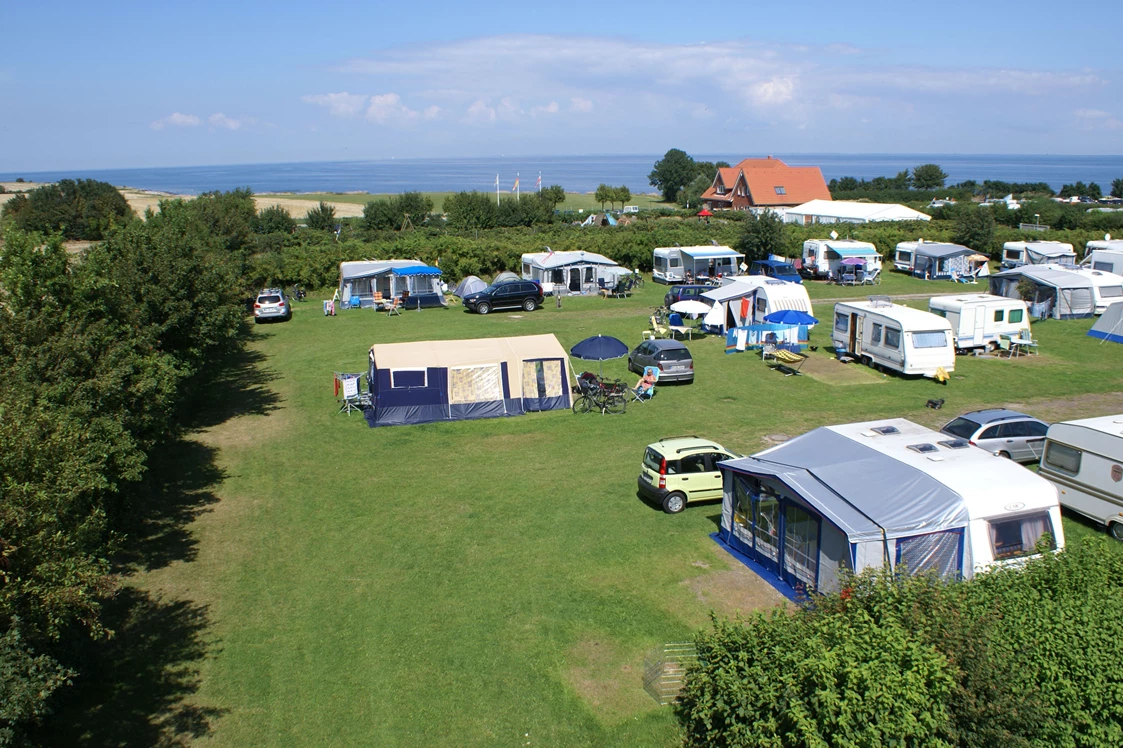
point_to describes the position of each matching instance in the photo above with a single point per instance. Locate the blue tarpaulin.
(791, 337)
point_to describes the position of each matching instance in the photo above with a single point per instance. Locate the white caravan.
(673, 264)
(1016, 254)
(823, 257)
(1084, 460)
(884, 335)
(978, 319)
(1105, 255)
(767, 295)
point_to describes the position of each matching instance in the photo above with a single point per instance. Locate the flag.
(497, 181)
(549, 253)
(538, 184)
(516, 187)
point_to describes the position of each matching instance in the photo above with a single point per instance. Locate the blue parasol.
(790, 317)
(599, 348)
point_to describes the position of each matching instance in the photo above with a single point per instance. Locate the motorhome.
(883, 494)
(823, 257)
(978, 319)
(1016, 254)
(765, 295)
(1084, 460)
(1106, 255)
(686, 264)
(890, 336)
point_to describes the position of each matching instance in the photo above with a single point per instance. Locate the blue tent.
(453, 380)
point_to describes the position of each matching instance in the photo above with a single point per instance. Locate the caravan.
(1105, 255)
(823, 258)
(938, 260)
(1016, 254)
(978, 319)
(686, 264)
(571, 272)
(884, 335)
(1084, 460)
(882, 494)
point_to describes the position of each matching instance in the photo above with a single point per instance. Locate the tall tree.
(763, 235)
(1117, 188)
(671, 173)
(974, 228)
(322, 217)
(603, 194)
(928, 177)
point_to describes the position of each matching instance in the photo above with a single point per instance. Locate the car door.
(1012, 437)
(639, 357)
(1035, 439)
(713, 474)
(989, 440)
(504, 296)
(695, 478)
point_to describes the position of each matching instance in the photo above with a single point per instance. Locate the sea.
(581, 173)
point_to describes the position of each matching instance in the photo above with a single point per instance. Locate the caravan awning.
(417, 270)
(729, 291)
(853, 251)
(710, 253)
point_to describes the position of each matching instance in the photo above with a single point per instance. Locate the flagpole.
(539, 185)
(516, 186)
(497, 189)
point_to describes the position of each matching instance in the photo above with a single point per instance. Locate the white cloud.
(431, 112)
(220, 120)
(577, 104)
(176, 119)
(480, 112)
(387, 108)
(1098, 119)
(341, 104)
(551, 108)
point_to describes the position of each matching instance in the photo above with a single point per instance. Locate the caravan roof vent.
(955, 443)
(880, 301)
(923, 449)
(885, 430)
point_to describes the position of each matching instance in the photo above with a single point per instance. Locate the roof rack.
(880, 301)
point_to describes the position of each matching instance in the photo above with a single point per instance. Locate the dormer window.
(780, 190)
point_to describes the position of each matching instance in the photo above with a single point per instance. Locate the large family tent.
(571, 272)
(842, 211)
(1056, 293)
(1110, 325)
(882, 493)
(414, 279)
(452, 380)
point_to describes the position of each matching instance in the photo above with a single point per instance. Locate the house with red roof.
(764, 183)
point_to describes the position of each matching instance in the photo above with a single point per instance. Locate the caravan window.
(999, 315)
(1107, 292)
(1013, 254)
(1010, 538)
(904, 256)
(934, 339)
(761, 305)
(875, 338)
(408, 378)
(841, 321)
(1062, 457)
(892, 337)
(676, 262)
(1015, 316)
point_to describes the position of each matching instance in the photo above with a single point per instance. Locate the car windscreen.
(675, 354)
(964, 428)
(268, 299)
(784, 269)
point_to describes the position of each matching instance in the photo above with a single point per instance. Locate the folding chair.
(395, 307)
(656, 331)
(788, 362)
(379, 302)
(641, 394)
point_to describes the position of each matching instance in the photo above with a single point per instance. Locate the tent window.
(1000, 315)
(403, 378)
(475, 384)
(1015, 316)
(938, 552)
(542, 379)
(935, 339)
(1018, 537)
(589, 275)
(1062, 457)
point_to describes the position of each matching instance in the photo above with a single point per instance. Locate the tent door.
(801, 548)
(766, 531)
(980, 324)
(575, 280)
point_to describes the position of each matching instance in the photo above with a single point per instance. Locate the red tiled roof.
(800, 184)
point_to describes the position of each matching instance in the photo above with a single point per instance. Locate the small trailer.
(1084, 460)
(890, 336)
(978, 319)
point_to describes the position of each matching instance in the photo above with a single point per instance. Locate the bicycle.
(607, 397)
(638, 281)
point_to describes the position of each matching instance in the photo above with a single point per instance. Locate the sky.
(129, 84)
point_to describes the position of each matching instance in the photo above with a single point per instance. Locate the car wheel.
(674, 502)
(1005, 454)
(1116, 530)
(529, 305)
(483, 307)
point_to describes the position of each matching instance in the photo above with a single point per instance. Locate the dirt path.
(894, 296)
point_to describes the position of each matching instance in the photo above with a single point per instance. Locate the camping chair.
(674, 321)
(788, 362)
(356, 302)
(623, 288)
(1004, 346)
(656, 331)
(873, 277)
(379, 302)
(395, 307)
(641, 394)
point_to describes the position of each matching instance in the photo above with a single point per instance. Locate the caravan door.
(855, 338)
(980, 324)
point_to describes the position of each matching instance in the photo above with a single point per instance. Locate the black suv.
(682, 293)
(512, 294)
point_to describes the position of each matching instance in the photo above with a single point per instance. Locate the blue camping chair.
(643, 394)
(356, 302)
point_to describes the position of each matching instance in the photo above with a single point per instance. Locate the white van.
(822, 257)
(884, 335)
(978, 319)
(1084, 460)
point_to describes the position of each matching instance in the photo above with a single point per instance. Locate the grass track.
(498, 582)
(573, 200)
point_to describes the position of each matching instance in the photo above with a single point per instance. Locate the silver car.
(670, 357)
(271, 304)
(1006, 433)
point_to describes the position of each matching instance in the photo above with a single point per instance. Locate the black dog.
(935, 404)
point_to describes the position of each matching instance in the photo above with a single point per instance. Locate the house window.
(406, 378)
(1000, 315)
(1015, 316)
(780, 190)
(892, 338)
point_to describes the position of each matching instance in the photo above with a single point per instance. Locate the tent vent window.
(885, 430)
(408, 378)
(955, 443)
(940, 552)
(923, 449)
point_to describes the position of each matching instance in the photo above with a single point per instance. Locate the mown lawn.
(498, 582)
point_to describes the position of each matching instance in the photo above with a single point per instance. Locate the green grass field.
(573, 200)
(498, 582)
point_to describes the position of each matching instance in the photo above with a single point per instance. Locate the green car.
(682, 469)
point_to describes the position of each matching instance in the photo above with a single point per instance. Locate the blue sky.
(125, 84)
